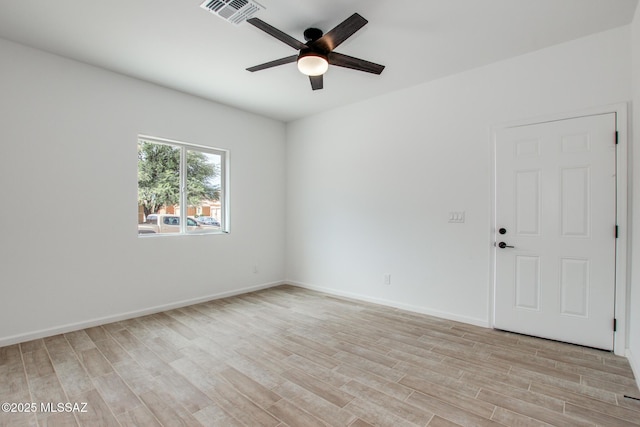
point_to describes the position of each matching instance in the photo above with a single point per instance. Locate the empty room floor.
(288, 356)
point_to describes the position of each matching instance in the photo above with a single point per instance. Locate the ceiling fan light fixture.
(317, 53)
(312, 63)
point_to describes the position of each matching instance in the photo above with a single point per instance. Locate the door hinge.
(616, 232)
(615, 325)
(616, 137)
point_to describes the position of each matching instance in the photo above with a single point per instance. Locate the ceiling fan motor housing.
(312, 34)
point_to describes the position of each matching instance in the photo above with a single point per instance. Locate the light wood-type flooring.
(292, 357)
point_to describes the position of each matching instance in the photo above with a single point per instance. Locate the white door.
(556, 229)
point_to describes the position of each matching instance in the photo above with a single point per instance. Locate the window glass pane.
(180, 188)
(158, 188)
(204, 189)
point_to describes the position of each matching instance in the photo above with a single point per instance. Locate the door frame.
(622, 272)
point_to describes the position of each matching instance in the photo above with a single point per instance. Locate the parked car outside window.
(208, 220)
(163, 224)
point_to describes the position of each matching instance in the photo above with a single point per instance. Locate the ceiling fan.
(317, 53)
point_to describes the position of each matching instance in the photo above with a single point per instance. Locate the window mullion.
(183, 190)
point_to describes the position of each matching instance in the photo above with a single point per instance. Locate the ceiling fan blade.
(272, 31)
(316, 82)
(340, 33)
(281, 61)
(346, 61)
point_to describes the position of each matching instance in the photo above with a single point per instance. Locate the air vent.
(234, 11)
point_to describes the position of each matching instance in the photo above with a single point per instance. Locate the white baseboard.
(634, 367)
(14, 339)
(413, 308)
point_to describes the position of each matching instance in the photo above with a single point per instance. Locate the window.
(181, 188)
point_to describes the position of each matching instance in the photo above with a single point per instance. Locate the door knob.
(502, 231)
(503, 245)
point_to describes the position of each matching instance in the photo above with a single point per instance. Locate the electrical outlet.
(456, 216)
(387, 279)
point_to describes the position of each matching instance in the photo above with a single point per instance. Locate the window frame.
(184, 147)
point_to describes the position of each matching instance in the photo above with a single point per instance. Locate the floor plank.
(288, 356)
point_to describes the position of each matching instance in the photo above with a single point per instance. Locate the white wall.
(634, 301)
(69, 250)
(370, 185)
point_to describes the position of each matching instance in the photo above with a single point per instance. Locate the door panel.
(574, 286)
(556, 198)
(527, 282)
(528, 203)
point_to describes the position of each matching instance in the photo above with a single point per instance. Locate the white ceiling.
(177, 44)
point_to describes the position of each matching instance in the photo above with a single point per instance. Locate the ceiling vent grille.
(234, 11)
